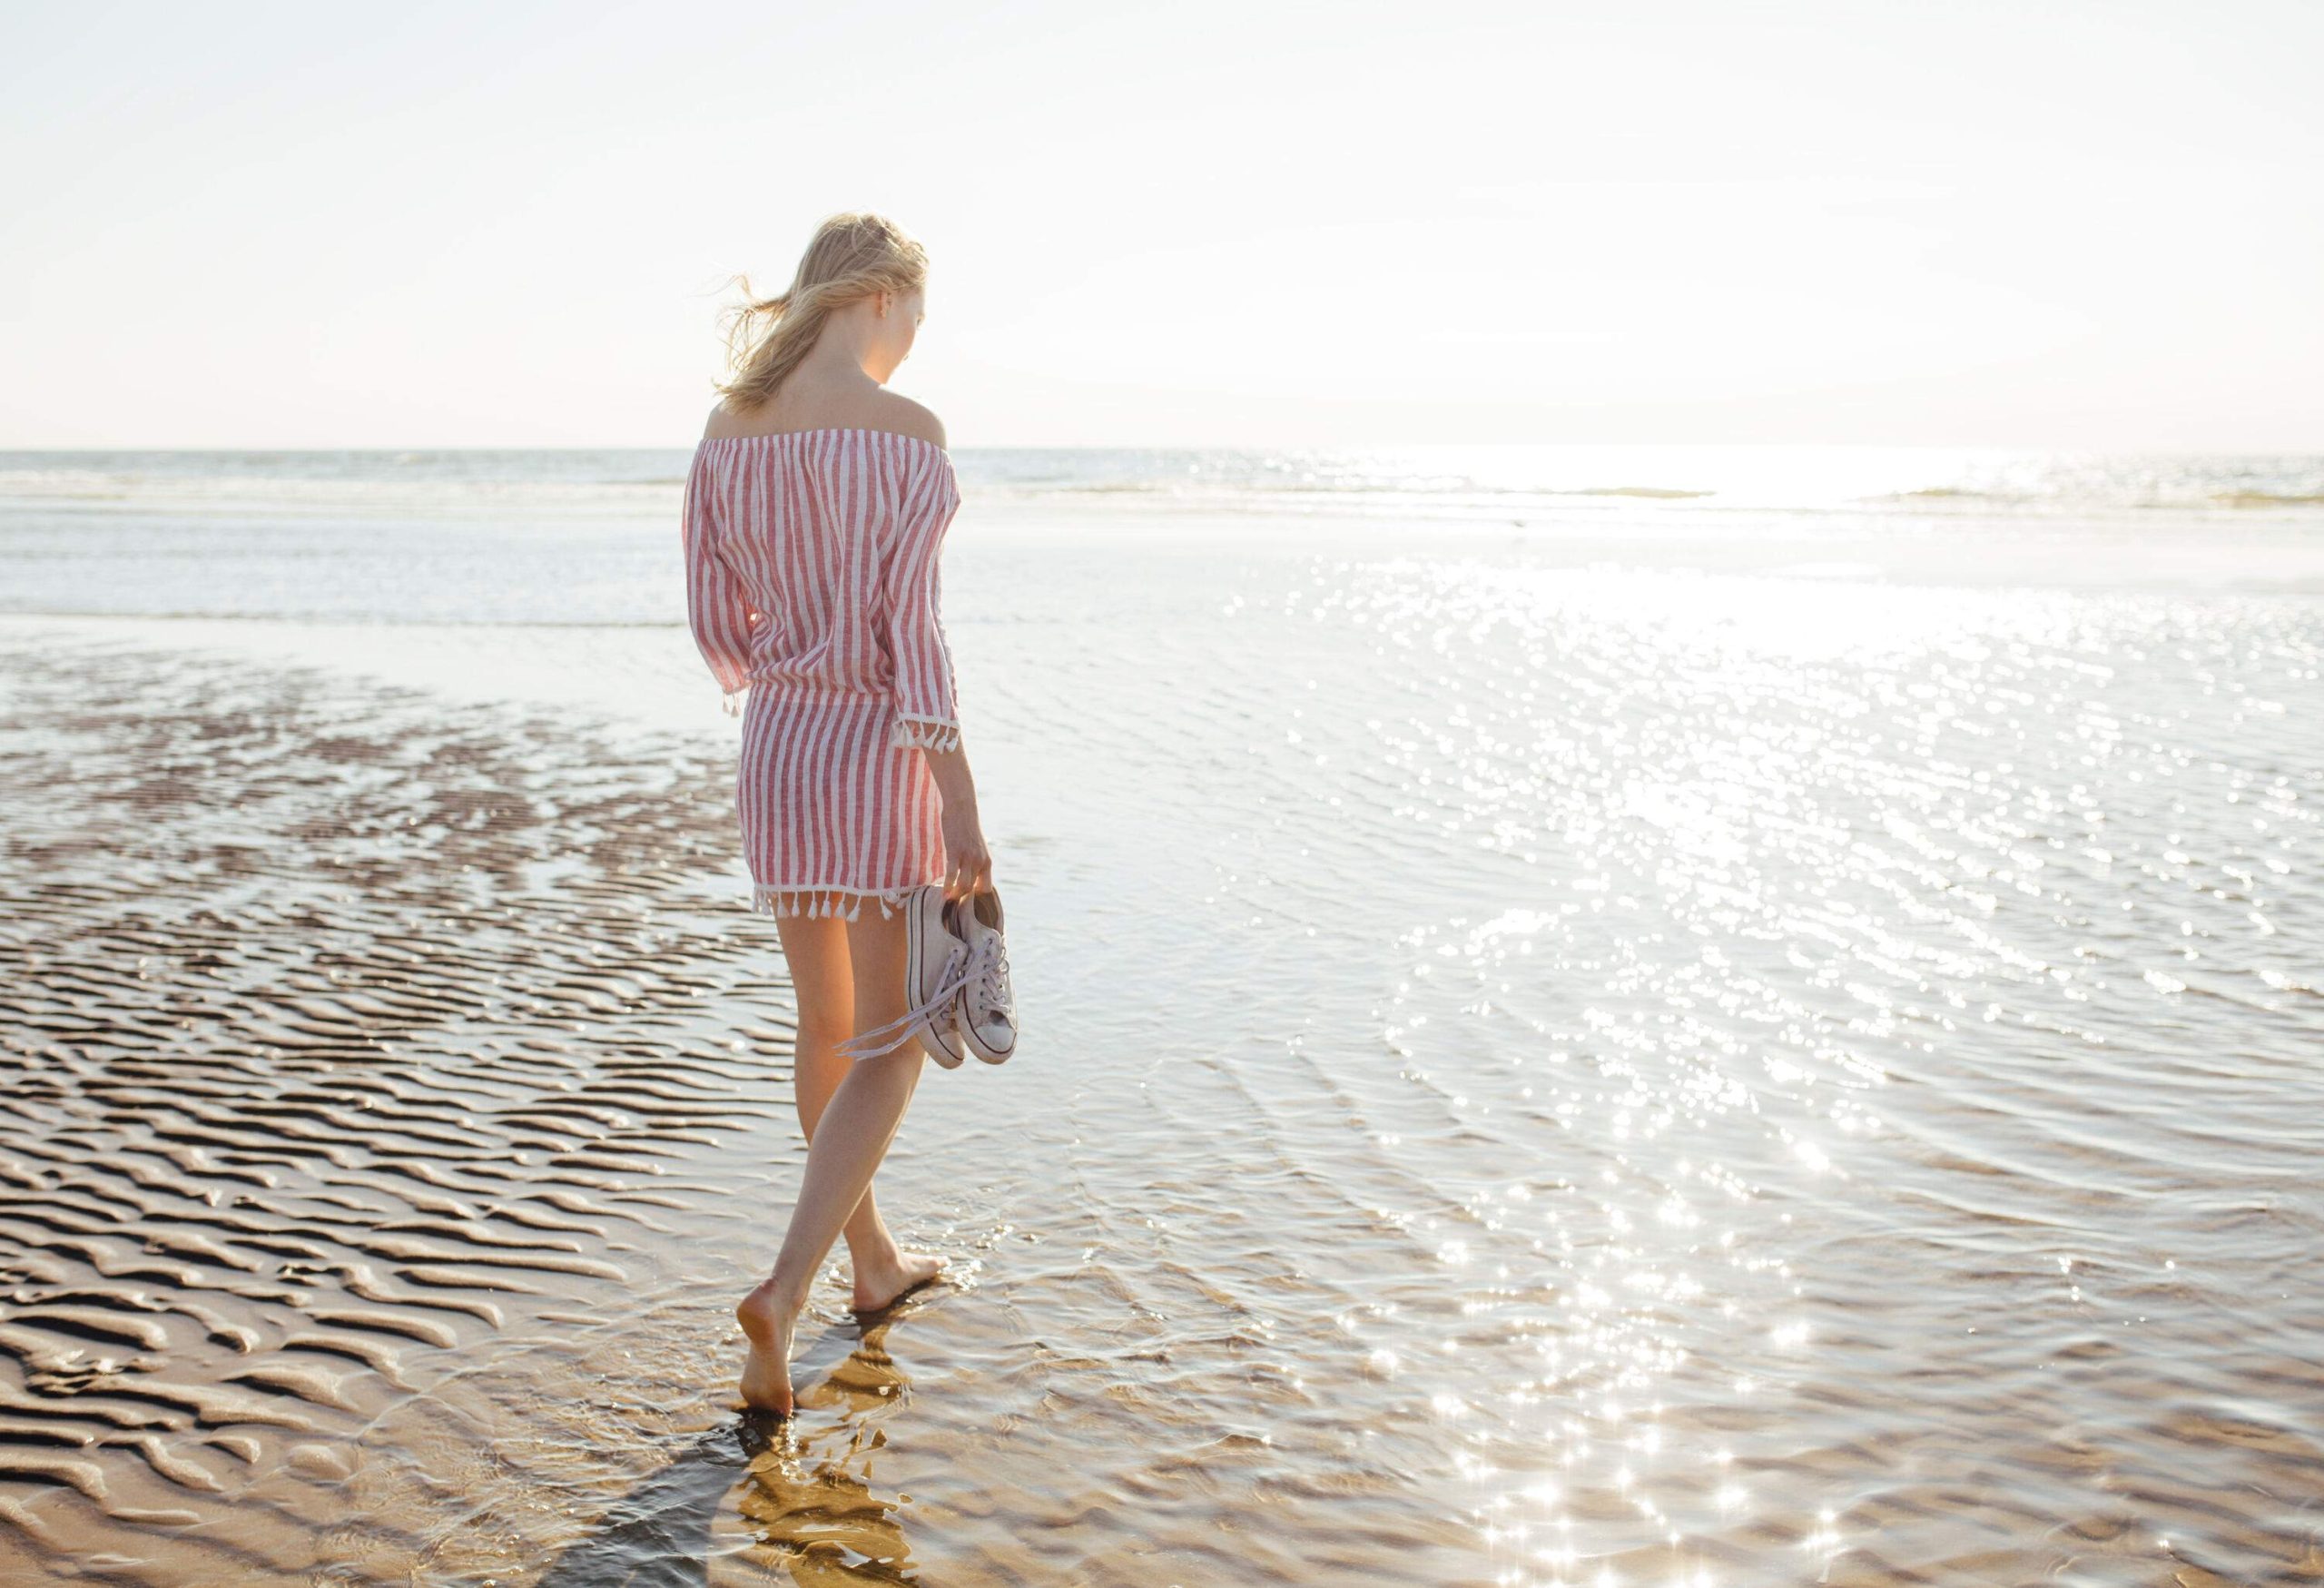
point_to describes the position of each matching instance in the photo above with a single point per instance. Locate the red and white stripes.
(812, 584)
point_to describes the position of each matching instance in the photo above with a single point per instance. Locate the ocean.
(1592, 1015)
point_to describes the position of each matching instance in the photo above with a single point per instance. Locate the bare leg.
(822, 977)
(848, 1139)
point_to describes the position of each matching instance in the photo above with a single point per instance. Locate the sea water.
(1721, 1016)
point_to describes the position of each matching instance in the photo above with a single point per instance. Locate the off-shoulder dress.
(811, 587)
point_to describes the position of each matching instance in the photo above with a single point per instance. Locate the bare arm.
(968, 867)
(927, 718)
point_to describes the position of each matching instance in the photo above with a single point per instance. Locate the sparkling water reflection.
(1814, 1037)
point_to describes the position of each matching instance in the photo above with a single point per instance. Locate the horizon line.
(2314, 448)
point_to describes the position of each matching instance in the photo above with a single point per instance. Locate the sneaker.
(935, 968)
(936, 959)
(988, 1020)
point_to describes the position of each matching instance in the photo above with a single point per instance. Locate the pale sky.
(496, 224)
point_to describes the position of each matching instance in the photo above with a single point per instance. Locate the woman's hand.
(968, 868)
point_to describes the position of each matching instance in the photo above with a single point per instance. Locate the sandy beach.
(1539, 1067)
(359, 1067)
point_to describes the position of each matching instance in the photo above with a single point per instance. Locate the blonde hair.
(851, 256)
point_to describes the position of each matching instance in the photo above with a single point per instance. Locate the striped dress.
(812, 584)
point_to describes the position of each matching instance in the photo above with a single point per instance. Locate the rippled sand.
(1535, 1074)
(368, 1067)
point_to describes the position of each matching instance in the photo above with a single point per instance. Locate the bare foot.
(877, 1287)
(768, 1320)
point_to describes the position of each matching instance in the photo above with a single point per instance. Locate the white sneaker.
(935, 968)
(988, 1021)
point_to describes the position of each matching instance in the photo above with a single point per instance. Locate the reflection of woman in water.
(815, 511)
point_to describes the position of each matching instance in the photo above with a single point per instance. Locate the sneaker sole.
(989, 1055)
(932, 1041)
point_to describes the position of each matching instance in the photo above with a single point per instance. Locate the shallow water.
(1542, 1068)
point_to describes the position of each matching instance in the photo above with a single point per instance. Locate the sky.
(1890, 222)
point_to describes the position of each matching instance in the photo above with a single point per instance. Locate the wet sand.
(399, 1099)
(364, 1059)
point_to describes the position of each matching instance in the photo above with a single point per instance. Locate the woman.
(815, 510)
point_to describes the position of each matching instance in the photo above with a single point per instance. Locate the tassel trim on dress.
(925, 732)
(731, 702)
(819, 903)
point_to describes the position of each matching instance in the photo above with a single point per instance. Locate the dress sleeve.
(717, 608)
(926, 715)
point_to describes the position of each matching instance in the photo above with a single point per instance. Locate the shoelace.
(957, 973)
(990, 969)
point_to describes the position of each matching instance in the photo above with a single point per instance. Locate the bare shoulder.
(721, 422)
(900, 413)
(882, 410)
